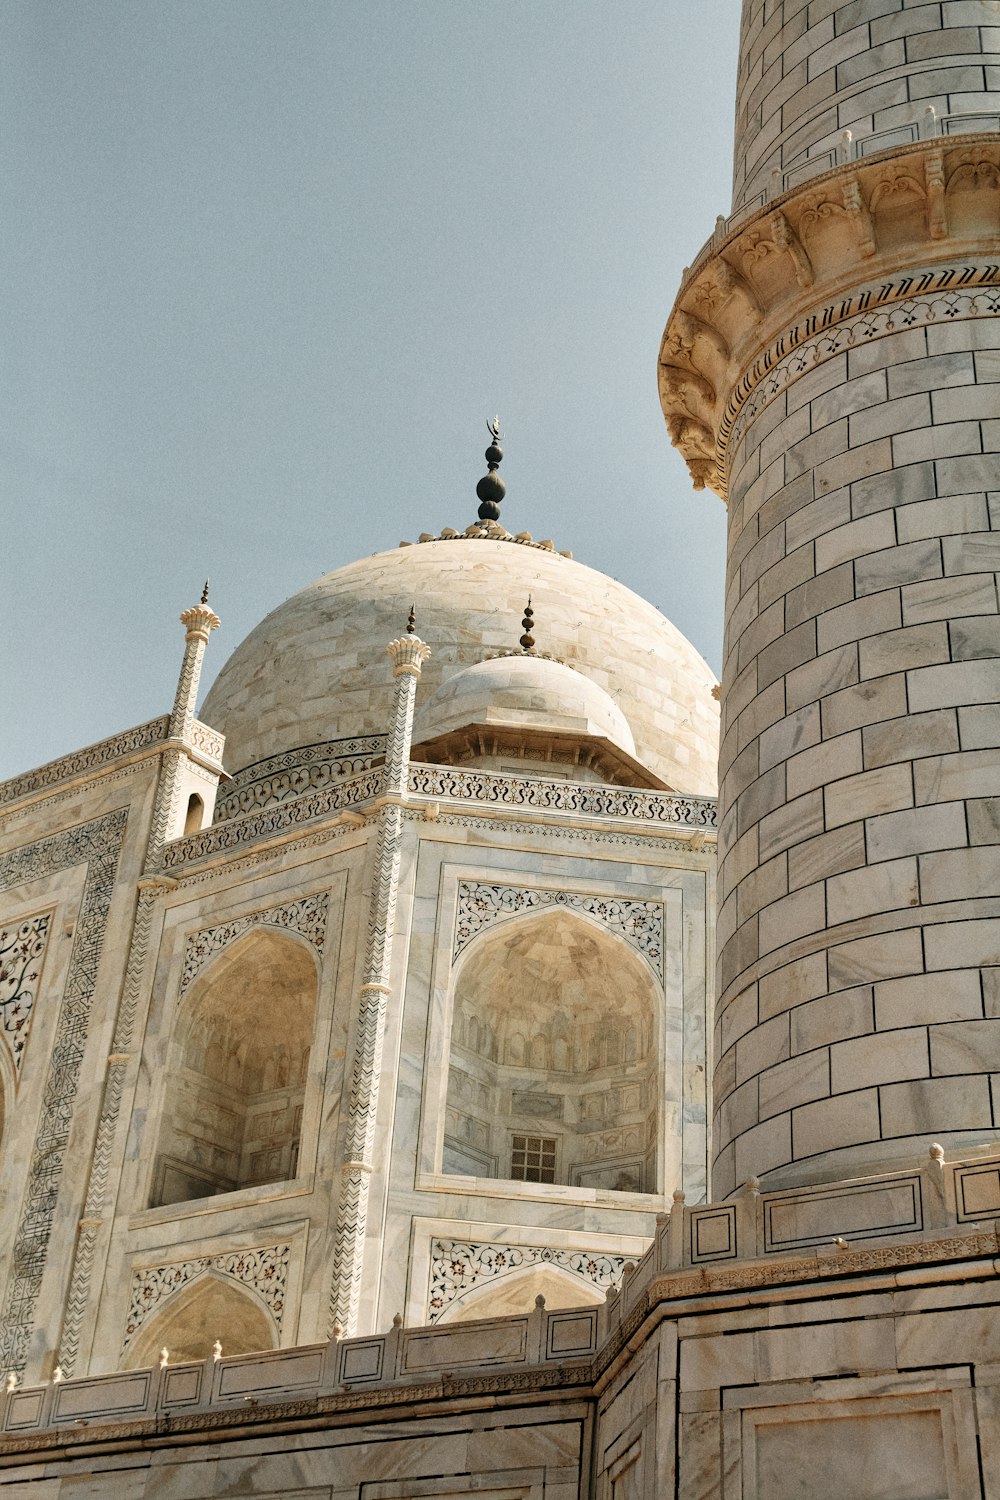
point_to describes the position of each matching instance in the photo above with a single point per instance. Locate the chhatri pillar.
(832, 369)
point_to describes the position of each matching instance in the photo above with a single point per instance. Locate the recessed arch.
(553, 1057)
(189, 1322)
(515, 1293)
(194, 818)
(239, 1056)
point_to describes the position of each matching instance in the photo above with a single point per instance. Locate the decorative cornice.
(92, 759)
(497, 790)
(293, 773)
(486, 531)
(815, 257)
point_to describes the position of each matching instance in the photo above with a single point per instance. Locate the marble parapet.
(88, 761)
(205, 743)
(685, 816)
(924, 1228)
(811, 167)
(293, 773)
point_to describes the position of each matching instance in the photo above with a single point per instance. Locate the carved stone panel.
(306, 916)
(264, 1269)
(22, 954)
(639, 923)
(457, 1266)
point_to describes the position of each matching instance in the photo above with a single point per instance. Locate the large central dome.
(315, 668)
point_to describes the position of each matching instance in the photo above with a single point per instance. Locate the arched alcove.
(516, 1293)
(195, 815)
(188, 1324)
(553, 1064)
(232, 1109)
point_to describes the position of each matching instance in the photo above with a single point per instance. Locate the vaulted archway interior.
(232, 1112)
(553, 1066)
(189, 1323)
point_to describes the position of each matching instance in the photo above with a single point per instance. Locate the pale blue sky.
(269, 265)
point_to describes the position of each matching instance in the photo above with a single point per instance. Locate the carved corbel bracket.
(730, 281)
(685, 388)
(786, 238)
(937, 213)
(692, 328)
(856, 207)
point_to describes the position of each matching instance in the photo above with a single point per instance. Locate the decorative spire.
(491, 488)
(411, 621)
(527, 639)
(204, 593)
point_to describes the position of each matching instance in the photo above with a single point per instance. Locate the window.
(533, 1158)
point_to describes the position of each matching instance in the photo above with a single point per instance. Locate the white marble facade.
(541, 1088)
(391, 1072)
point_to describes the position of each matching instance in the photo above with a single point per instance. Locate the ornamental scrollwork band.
(307, 916)
(263, 1269)
(638, 923)
(457, 1266)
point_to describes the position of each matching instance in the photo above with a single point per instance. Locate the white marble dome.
(523, 692)
(315, 669)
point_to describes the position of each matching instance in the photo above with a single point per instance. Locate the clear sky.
(269, 265)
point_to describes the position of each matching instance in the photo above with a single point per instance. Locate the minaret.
(408, 655)
(832, 368)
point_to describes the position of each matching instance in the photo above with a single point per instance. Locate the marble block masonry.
(372, 1129)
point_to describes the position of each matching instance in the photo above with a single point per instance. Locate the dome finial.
(411, 620)
(527, 639)
(491, 488)
(204, 593)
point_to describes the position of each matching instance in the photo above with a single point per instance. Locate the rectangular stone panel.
(181, 1385)
(811, 1452)
(284, 1372)
(977, 1192)
(101, 1397)
(361, 1359)
(24, 1410)
(713, 1234)
(816, 1217)
(571, 1333)
(501, 1343)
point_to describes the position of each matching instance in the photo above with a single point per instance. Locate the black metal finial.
(527, 639)
(411, 621)
(204, 593)
(491, 488)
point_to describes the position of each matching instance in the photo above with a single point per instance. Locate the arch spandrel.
(188, 1324)
(516, 1293)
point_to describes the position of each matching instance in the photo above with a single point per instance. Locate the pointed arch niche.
(516, 1293)
(239, 1058)
(554, 1074)
(189, 1322)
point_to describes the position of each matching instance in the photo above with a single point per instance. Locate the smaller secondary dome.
(527, 692)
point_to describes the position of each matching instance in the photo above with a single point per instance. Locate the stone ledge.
(793, 270)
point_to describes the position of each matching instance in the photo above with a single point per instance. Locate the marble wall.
(858, 881)
(811, 70)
